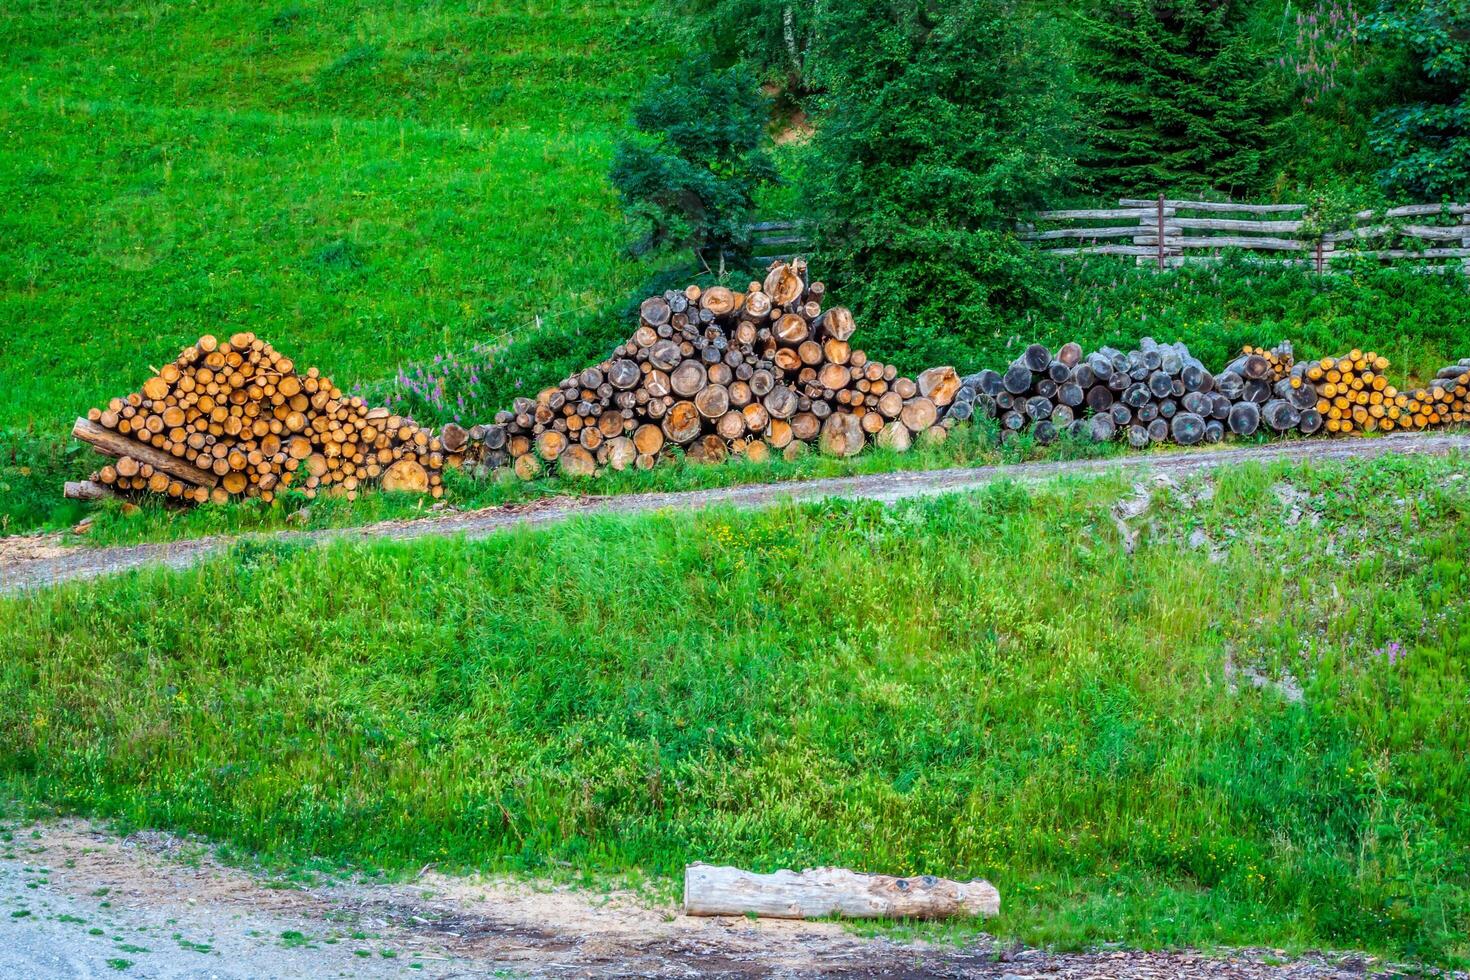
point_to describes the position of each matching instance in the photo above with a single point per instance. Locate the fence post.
(1465, 242)
(1162, 249)
(1319, 255)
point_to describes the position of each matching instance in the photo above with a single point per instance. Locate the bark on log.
(822, 892)
(115, 444)
(86, 490)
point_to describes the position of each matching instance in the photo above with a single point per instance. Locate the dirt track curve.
(51, 565)
(77, 901)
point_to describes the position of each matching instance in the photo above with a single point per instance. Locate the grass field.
(366, 185)
(898, 689)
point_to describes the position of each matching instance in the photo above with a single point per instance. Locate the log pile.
(1353, 393)
(711, 373)
(1156, 393)
(235, 419)
(1446, 401)
(716, 373)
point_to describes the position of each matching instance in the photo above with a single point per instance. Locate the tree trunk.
(823, 892)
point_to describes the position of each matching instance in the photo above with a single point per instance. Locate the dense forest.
(910, 137)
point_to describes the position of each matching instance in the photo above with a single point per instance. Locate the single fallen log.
(86, 490)
(820, 892)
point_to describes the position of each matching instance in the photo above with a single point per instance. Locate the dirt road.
(41, 560)
(77, 902)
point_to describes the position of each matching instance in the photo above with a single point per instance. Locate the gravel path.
(77, 902)
(38, 561)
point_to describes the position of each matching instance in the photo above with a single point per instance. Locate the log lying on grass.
(821, 892)
(86, 490)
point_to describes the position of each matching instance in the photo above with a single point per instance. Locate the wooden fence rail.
(1168, 233)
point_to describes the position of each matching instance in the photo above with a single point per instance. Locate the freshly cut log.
(757, 451)
(718, 300)
(453, 436)
(688, 379)
(655, 311)
(779, 433)
(713, 401)
(731, 426)
(710, 449)
(577, 462)
(939, 385)
(805, 426)
(550, 444)
(682, 422)
(834, 376)
(648, 439)
(623, 374)
(783, 284)
(792, 329)
(406, 476)
(919, 414)
(621, 453)
(818, 893)
(895, 436)
(781, 402)
(842, 435)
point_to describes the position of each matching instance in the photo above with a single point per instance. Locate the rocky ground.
(76, 902)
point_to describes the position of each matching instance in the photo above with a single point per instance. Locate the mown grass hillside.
(1117, 741)
(363, 184)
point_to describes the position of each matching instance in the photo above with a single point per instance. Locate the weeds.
(891, 688)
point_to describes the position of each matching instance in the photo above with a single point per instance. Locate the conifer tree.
(1178, 97)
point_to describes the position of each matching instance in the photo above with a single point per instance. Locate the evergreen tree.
(941, 124)
(1179, 98)
(688, 173)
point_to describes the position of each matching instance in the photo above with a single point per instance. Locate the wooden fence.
(1169, 233)
(771, 240)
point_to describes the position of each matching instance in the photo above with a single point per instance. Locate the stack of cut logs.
(235, 419)
(1157, 393)
(712, 372)
(1446, 401)
(716, 372)
(1353, 393)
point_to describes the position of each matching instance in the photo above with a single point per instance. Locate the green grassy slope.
(895, 689)
(362, 183)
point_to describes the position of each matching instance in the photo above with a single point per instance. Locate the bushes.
(688, 174)
(1428, 141)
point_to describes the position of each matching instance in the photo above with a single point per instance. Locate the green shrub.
(1428, 140)
(688, 174)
